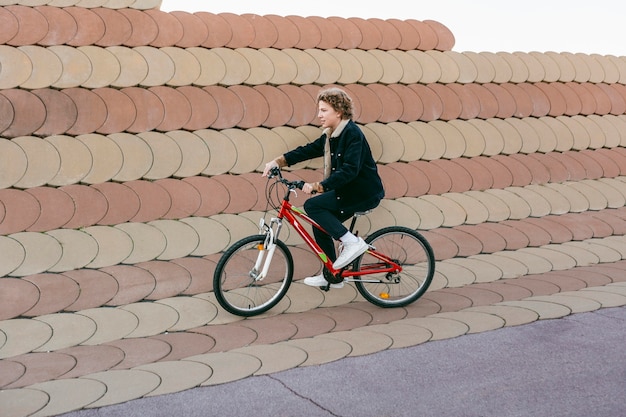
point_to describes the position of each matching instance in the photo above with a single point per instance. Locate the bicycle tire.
(412, 251)
(234, 286)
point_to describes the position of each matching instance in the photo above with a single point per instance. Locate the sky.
(589, 27)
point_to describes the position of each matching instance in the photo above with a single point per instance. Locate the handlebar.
(275, 172)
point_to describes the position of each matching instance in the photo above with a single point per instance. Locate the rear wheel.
(236, 284)
(410, 250)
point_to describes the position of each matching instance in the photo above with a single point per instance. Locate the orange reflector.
(260, 246)
(384, 295)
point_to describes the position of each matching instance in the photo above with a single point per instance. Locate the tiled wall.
(132, 141)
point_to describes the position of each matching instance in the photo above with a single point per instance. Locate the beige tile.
(511, 268)
(431, 70)
(105, 67)
(111, 324)
(177, 376)
(212, 67)
(238, 67)
(187, 68)
(435, 143)
(503, 71)
(17, 66)
(512, 316)
(79, 249)
(285, 68)
(107, 158)
(23, 401)
(261, 67)
(134, 68)
(455, 274)
(16, 163)
(213, 235)
(477, 322)
(363, 342)
(545, 310)
(440, 327)
(181, 238)
(574, 303)
(274, 358)
(219, 144)
(192, 312)
(167, 155)
(249, 151)
(69, 394)
(68, 329)
(114, 245)
(42, 252)
(431, 216)
(124, 385)
(559, 257)
(453, 213)
(44, 161)
(320, 350)
(303, 297)
(577, 201)
(154, 318)
(228, 366)
(148, 241)
(606, 298)
(23, 336)
(483, 271)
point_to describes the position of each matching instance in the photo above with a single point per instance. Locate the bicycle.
(254, 273)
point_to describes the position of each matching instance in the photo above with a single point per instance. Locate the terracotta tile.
(185, 344)
(541, 101)
(470, 101)
(558, 232)
(21, 211)
(433, 106)
(564, 281)
(117, 27)
(121, 110)
(201, 273)
(145, 99)
(195, 30)
(9, 27)
(41, 367)
(346, 318)
(123, 203)
(56, 292)
(140, 351)
(222, 33)
(448, 301)
(17, 297)
(134, 284)
(593, 276)
(608, 216)
(171, 279)
(228, 337)
(144, 29)
(412, 105)
(514, 238)
(508, 289)
(281, 108)
(185, 198)
(29, 113)
(603, 102)
(535, 286)
(440, 181)
(573, 104)
(467, 243)
(226, 98)
(96, 288)
(32, 25)
(585, 97)
(10, 372)
(502, 175)
(491, 241)
(286, 32)
(90, 26)
(170, 28)
(429, 36)
(92, 359)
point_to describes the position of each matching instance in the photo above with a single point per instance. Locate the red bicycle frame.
(291, 214)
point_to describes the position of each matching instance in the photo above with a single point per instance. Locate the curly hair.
(338, 99)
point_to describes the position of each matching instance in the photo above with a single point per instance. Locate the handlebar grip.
(300, 184)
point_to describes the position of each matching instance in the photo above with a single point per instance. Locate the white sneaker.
(350, 252)
(320, 281)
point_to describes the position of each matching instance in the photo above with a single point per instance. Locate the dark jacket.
(354, 175)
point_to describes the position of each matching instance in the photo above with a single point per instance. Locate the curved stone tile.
(149, 242)
(105, 66)
(17, 297)
(21, 211)
(117, 27)
(29, 112)
(142, 156)
(167, 155)
(56, 292)
(15, 166)
(274, 358)
(42, 252)
(512, 316)
(23, 336)
(249, 160)
(114, 245)
(32, 25)
(456, 275)
(228, 366)
(96, 288)
(121, 110)
(237, 66)
(68, 394)
(483, 271)
(181, 238)
(90, 27)
(134, 65)
(440, 181)
(441, 327)
(91, 205)
(434, 142)
(61, 112)
(510, 267)
(429, 33)
(226, 98)
(195, 30)
(68, 329)
(123, 385)
(144, 29)
(433, 106)
(107, 156)
(171, 30)
(123, 203)
(480, 177)
(371, 67)
(176, 376)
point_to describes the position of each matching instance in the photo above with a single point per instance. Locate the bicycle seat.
(362, 213)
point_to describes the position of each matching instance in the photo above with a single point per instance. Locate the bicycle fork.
(264, 257)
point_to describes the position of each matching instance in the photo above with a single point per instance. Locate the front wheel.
(412, 252)
(237, 285)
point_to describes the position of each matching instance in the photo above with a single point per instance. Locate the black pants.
(325, 210)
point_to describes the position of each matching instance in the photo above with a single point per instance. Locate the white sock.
(349, 238)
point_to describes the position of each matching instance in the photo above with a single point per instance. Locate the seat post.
(355, 216)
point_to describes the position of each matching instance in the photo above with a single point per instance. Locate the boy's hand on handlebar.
(312, 188)
(269, 166)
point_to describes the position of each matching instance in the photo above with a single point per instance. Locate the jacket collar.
(335, 133)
